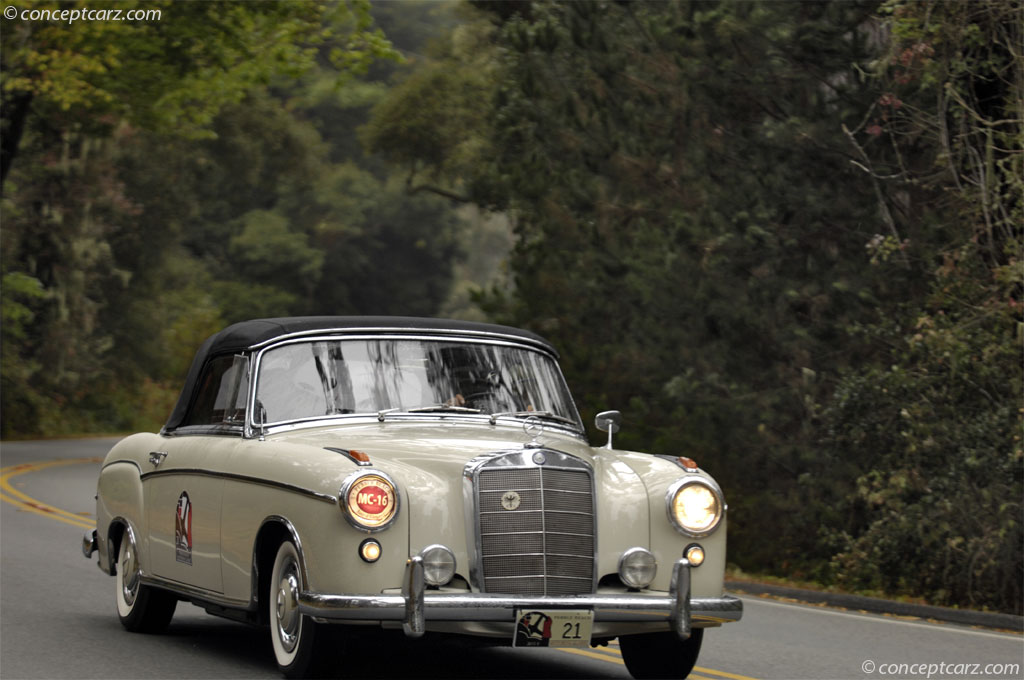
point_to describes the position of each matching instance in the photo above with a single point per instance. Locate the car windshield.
(320, 378)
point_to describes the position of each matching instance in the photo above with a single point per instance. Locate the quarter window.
(222, 393)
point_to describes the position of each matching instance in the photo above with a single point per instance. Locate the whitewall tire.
(141, 608)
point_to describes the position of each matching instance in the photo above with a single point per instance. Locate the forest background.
(784, 238)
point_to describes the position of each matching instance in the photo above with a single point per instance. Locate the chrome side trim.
(210, 597)
(327, 498)
(191, 592)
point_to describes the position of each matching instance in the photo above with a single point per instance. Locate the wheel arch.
(272, 533)
(115, 534)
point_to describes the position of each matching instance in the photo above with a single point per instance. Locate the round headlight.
(637, 567)
(369, 500)
(695, 506)
(438, 565)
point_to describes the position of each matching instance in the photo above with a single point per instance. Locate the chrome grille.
(545, 546)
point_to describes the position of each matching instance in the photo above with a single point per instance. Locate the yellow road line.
(592, 655)
(25, 502)
(612, 654)
(722, 674)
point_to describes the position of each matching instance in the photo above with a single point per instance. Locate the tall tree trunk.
(14, 114)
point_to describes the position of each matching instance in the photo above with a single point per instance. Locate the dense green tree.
(936, 417)
(172, 70)
(750, 227)
(690, 227)
(123, 180)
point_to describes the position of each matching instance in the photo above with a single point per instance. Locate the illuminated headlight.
(695, 506)
(369, 500)
(438, 565)
(637, 567)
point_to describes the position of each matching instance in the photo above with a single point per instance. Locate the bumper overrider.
(415, 605)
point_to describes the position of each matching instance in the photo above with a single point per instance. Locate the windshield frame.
(254, 429)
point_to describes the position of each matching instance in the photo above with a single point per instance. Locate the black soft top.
(248, 335)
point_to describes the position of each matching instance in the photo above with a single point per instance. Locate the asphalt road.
(57, 617)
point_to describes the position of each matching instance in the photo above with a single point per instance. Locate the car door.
(183, 486)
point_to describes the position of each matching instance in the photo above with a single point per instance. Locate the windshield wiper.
(526, 414)
(436, 408)
(443, 408)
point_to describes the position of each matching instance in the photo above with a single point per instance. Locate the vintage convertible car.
(416, 474)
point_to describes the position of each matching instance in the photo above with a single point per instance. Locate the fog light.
(438, 565)
(370, 550)
(637, 567)
(695, 554)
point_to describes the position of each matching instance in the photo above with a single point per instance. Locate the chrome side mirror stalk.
(608, 421)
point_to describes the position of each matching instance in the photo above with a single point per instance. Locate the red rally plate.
(553, 628)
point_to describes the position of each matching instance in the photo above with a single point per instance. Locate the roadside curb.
(878, 605)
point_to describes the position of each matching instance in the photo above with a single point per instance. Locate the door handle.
(157, 457)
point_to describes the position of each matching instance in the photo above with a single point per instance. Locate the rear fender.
(118, 505)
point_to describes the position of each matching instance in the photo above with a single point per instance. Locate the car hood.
(418, 454)
(428, 461)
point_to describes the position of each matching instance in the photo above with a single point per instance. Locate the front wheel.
(660, 655)
(142, 609)
(293, 635)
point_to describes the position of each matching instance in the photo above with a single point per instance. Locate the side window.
(223, 387)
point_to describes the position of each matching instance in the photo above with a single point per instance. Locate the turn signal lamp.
(695, 555)
(370, 550)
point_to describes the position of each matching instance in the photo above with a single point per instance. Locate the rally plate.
(553, 628)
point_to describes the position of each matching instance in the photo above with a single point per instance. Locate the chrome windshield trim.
(379, 332)
(373, 419)
(252, 429)
(245, 479)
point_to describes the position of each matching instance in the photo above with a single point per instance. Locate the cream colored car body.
(427, 462)
(198, 512)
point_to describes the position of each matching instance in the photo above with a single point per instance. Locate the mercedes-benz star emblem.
(510, 500)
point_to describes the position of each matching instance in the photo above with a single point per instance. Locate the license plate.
(553, 628)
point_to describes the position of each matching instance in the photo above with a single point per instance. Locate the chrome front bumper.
(415, 606)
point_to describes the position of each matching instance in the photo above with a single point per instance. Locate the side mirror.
(608, 421)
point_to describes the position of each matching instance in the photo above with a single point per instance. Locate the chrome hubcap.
(288, 617)
(129, 573)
